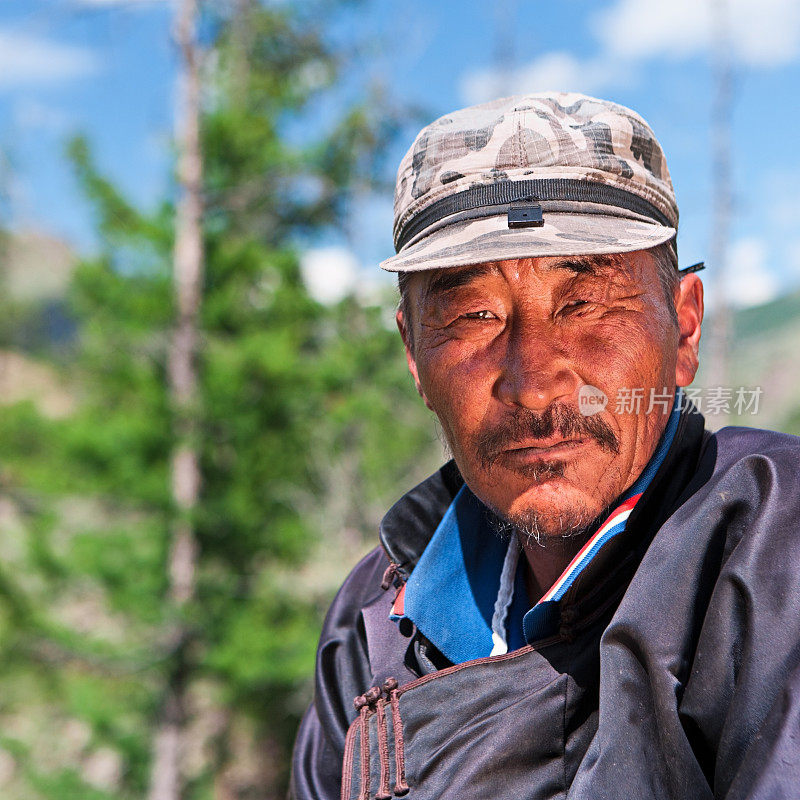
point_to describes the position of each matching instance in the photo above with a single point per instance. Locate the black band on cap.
(503, 193)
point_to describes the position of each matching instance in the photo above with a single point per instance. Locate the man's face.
(503, 353)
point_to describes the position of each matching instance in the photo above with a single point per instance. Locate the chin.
(542, 521)
(549, 497)
(553, 506)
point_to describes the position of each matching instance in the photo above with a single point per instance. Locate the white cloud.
(629, 32)
(556, 70)
(750, 281)
(329, 273)
(32, 114)
(762, 35)
(28, 60)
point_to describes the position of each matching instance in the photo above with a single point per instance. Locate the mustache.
(523, 424)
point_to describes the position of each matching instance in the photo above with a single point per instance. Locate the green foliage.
(309, 427)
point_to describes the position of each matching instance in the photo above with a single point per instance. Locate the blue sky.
(106, 68)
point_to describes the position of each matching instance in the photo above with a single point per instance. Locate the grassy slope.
(764, 353)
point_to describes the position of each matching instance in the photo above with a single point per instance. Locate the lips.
(545, 444)
(553, 446)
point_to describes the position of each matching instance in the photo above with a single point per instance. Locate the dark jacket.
(675, 672)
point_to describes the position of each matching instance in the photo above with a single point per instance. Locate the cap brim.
(487, 239)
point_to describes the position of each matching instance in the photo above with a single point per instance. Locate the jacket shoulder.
(342, 672)
(343, 669)
(734, 443)
(361, 587)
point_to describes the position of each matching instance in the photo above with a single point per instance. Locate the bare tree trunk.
(165, 779)
(505, 62)
(720, 334)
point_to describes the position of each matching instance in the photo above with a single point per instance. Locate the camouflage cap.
(551, 174)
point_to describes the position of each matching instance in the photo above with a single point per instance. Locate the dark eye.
(571, 305)
(483, 314)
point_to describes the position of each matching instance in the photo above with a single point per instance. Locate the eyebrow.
(590, 265)
(449, 279)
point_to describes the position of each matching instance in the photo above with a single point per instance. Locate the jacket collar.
(410, 523)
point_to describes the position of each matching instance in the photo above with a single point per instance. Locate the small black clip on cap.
(525, 213)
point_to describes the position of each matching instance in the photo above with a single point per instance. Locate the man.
(596, 598)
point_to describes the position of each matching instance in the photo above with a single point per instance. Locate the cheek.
(624, 356)
(458, 387)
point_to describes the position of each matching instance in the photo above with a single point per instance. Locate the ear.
(689, 307)
(403, 326)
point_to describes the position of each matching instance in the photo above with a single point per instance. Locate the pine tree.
(305, 428)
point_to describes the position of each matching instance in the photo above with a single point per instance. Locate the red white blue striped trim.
(398, 607)
(606, 531)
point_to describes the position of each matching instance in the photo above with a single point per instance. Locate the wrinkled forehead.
(609, 267)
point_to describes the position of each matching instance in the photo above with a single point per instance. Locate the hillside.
(36, 267)
(764, 353)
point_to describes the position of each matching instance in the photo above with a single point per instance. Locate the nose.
(535, 368)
